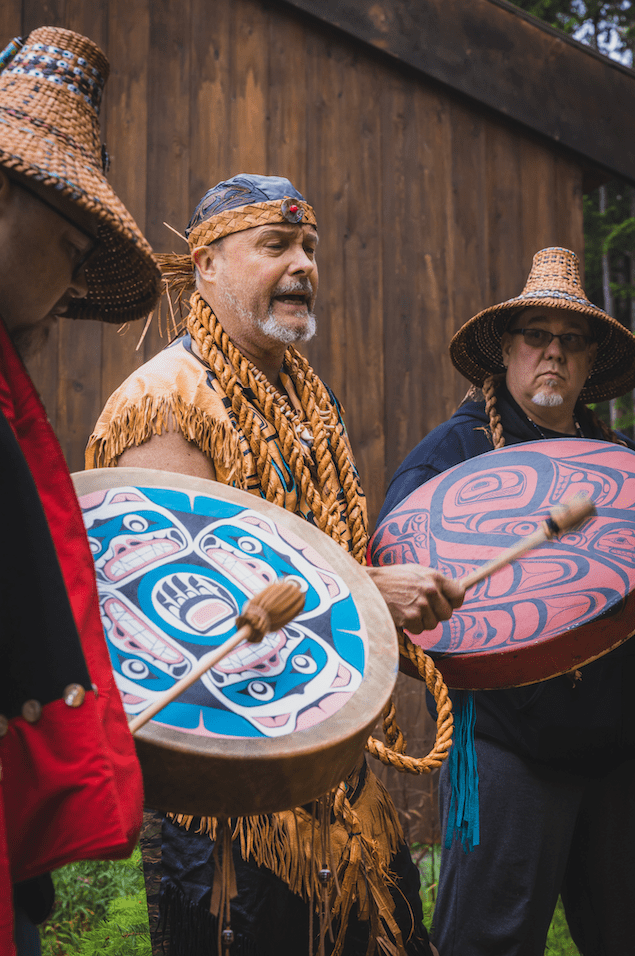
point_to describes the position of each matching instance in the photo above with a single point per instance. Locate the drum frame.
(291, 770)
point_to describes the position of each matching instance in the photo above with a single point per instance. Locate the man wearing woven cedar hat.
(233, 400)
(71, 784)
(556, 768)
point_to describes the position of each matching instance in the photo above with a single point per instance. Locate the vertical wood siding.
(429, 208)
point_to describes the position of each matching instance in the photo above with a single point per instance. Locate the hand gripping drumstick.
(562, 518)
(268, 611)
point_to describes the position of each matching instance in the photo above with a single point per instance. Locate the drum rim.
(375, 614)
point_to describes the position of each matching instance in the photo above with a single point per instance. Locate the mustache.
(299, 285)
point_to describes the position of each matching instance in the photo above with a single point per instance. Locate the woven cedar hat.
(554, 281)
(50, 93)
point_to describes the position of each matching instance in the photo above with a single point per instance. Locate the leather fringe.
(137, 423)
(360, 844)
(189, 929)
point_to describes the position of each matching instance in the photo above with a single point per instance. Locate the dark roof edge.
(561, 35)
(507, 60)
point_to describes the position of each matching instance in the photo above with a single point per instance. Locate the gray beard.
(274, 329)
(271, 326)
(547, 399)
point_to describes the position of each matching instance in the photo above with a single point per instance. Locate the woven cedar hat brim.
(123, 280)
(476, 352)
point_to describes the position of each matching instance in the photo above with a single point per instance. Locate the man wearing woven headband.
(233, 400)
(71, 784)
(556, 774)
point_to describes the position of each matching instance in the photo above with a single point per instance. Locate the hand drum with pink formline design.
(274, 724)
(557, 607)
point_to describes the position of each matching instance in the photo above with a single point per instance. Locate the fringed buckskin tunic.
(274, 869)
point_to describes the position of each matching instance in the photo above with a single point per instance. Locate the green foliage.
(607, 26)
(428, 859)
(100, 908)
(123, 933)
(559, 942)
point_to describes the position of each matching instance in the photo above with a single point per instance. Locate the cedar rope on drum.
(445, 722)
(392, 732)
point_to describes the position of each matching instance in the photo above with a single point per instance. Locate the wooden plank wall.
(429, 208)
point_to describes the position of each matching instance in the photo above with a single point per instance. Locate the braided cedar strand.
(495, 423)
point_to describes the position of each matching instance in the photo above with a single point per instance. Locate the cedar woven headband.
(50, 91)
(554, 282)
(250, 216)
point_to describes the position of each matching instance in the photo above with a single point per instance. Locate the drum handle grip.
(273, 607)
(562, 518)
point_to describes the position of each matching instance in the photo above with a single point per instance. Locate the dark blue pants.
(543, 833)
(27, 937)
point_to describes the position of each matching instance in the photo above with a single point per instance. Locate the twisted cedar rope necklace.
(238, 378)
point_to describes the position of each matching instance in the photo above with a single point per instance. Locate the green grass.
(428, 858)
(100, 908)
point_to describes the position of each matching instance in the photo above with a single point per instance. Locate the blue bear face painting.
(173, 573)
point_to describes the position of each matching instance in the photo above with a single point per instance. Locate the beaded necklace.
(578, 430)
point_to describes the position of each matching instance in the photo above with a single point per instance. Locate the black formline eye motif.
(135, 669)
(304, 664)
(134, 523)
(259, 690)
(250, 545)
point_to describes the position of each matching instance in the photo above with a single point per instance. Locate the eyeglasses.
(541, 338)
(88, 254)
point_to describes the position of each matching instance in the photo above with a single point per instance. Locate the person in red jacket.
(70, 782)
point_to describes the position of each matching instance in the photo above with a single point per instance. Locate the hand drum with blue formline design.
(557, 607)
(274, 724)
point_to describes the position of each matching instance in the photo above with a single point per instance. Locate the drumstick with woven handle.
(562, 518)
(266, 612)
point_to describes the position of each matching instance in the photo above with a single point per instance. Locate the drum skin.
(559, 606)
(273, 725)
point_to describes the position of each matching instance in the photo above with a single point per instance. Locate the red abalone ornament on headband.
(291, 211)
(557, 607)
